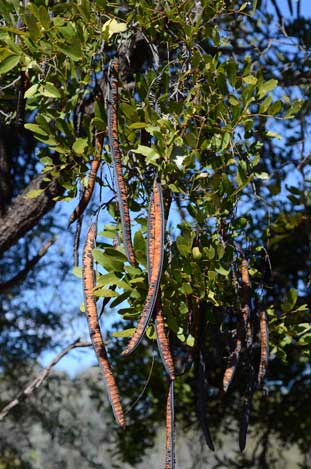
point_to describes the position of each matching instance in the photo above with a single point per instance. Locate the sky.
(79, 360)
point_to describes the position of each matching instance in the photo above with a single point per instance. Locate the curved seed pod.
(170, 428)
(87, 194)
(156, 240)
(246, 285)
(264, 346)
(117, 161)
(244, 327)
(94, 328)
(233, 360)
(162, 340)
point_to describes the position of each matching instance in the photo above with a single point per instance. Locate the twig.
(36, 383)
(29, 266)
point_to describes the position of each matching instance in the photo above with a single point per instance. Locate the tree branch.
(24, 213)
(36, 383)
(29, 266)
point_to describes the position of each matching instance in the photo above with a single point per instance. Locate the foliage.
(208, 104)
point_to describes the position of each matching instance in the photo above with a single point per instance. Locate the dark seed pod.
(117, 161)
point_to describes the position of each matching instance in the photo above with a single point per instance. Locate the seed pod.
(94, 327)
(233, 360)
(162, 340)
(117, 161)
(264, 346)
(170, 428)
(156, 240)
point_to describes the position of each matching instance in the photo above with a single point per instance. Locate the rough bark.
(24, 213)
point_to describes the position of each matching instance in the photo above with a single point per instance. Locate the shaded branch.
(36, 383)
(24, 213)
(29, 266)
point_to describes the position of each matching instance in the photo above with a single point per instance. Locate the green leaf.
(8, 63)
(150, 153)
(77, 271)
(80, 145)
(73, 50)
(124, 333)
(34, 193)
(49, 90)
(291, 300)
(265, 105)
(138, 125)
(274, 135)
(31, 91)
(266, 87)
(222, 271)
(112, 27)
(36, 129)
(250, 80)
(106, 293)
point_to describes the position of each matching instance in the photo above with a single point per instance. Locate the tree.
(204, 94)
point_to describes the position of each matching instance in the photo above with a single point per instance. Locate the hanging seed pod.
(162, 339)
(233, 360)
(156, 239)
(117, 161)
(170, 428)
(94, 328)
(264, 346)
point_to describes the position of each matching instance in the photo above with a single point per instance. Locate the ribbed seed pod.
(117, 161)
(156, 235)
(170, 428)
(233, 360)
(162, 339)
(94, 327)
(244, 327)
(264, 346)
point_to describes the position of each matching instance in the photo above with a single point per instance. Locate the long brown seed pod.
(264, 346)
(94, 327)
(233, 360)
(162, 338)
(244, 327)
(246, 285)
(156, 238)
(170, 428)
(117, 161)
(87, 194)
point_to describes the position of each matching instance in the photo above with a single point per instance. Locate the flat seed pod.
(264, 346)
(170, 428)
(162, 339)
(117, 161)
(94, 327)
(233, 361)
(156, 240)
